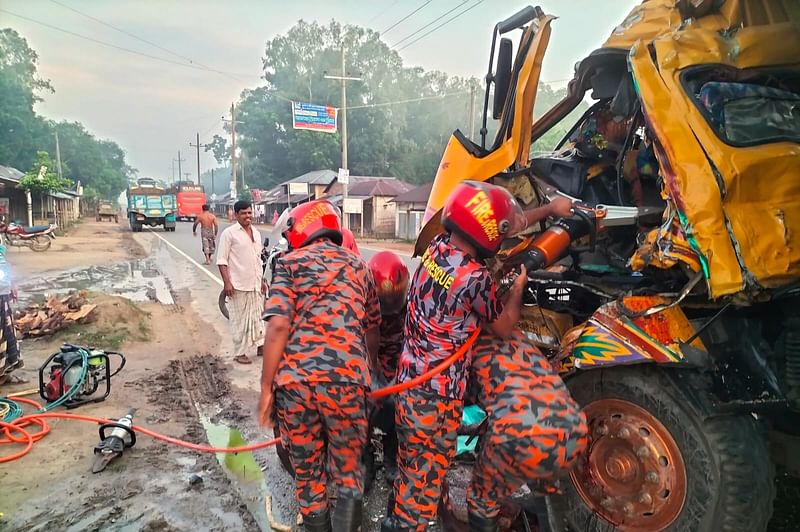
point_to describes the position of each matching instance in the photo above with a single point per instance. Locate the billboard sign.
(353, 206)
(314, 117)
(298, 189)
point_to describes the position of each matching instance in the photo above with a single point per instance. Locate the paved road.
(179, 258)
(182, 239)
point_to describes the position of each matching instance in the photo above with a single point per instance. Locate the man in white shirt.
(239, 262)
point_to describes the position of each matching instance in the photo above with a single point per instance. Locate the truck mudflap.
(619, 334)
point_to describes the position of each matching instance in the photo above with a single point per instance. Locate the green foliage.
(402, 140)
(49, 181)
(97, 164)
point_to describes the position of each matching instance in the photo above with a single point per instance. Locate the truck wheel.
(656, 462)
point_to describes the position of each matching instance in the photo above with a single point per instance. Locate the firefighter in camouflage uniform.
(322, 318)
(391, 281)
(452, 294)
(535, 430)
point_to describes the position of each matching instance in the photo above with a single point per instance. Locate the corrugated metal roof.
(315, 177)
(11, 174)
(415, 195)
(378, 186)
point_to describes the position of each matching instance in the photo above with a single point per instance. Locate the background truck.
(149, 204)
(107, 210)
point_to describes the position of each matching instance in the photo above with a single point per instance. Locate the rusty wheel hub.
(633, 475)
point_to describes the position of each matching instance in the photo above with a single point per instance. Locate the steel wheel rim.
(633, 475)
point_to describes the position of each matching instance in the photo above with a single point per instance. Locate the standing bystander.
(208, 232)
(239, 261)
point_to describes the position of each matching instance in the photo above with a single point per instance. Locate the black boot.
(317, 522)
(389, 525)
(482, 524)
(347, 515)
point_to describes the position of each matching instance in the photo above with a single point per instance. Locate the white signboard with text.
(298, 189)
(352, 206)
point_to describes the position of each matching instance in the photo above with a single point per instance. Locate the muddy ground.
(180, 379)
(52, 488)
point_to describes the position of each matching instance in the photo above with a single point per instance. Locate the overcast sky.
(154, 108)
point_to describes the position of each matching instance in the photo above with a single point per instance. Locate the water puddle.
(243, 470)
(139, 280)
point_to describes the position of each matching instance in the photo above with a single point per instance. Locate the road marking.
(187, 257)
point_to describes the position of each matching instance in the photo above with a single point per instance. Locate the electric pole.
(234, 193)
(58, 157)
(178, 160)
(198, 146)
(472, 113)
(344, 78)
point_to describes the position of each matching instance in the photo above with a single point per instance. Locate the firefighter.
(391, 281)
(451, 295)
(535, 431)
(323, 316)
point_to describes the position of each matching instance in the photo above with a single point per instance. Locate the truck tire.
(656, 461)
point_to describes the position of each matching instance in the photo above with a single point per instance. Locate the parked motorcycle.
(37, 237)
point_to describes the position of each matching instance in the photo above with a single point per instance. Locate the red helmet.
(310, 221)
(349, 241)
(391, 280)
(483, 214)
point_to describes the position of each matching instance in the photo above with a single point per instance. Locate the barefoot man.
(208, 232)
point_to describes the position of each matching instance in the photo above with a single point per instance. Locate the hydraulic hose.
(20, 424)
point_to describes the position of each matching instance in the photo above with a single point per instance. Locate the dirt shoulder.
(88, 243)
(170, 363)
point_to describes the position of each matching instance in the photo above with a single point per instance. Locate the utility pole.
(212, 182)
(234, 193)
(179, 164)
(472, 113)
(344, 78)
(198, 146)
(178, 160)
(58, 157)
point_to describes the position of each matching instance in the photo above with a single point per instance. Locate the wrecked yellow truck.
(674, 312)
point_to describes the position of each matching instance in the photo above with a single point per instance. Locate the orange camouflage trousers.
(536, 430)
(427, 426)
(324, 428)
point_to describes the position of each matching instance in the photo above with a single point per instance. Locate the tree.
(41, 179)
(20, 86)
(98, 164)
(402, 140)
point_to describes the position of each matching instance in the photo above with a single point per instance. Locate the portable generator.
(77, 375)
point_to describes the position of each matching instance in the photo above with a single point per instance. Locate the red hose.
(19, 425)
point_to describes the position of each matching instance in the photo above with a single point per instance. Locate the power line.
(384, 32)
(440, 17)
(446, 22)
(121, 48)
(129, 34)
(383, 104)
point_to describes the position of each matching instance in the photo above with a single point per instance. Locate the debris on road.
(273, 524)
(54, 314)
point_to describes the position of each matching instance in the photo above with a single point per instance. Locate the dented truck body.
(676, 321)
